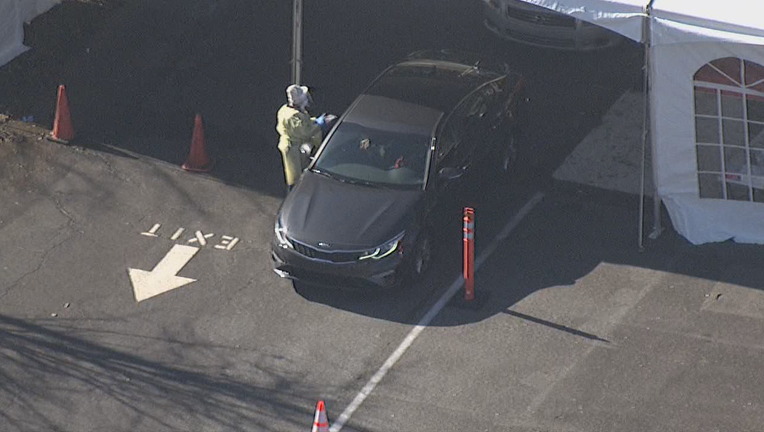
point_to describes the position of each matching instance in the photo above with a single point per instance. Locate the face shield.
(308, 100)
(299, 96)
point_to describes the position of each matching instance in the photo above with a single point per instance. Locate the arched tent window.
(729, 129)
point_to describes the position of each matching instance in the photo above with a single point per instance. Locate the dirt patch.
(27, 157)
(28, 86)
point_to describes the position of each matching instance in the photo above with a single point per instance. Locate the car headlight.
(281, 234)
(385, 250)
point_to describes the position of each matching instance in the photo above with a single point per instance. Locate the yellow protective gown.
(295, 128)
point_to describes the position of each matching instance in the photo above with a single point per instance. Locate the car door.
(454, 148)
(465, 132)
(507, 117)
(488, 118)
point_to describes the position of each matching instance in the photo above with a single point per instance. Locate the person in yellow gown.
(296, 127)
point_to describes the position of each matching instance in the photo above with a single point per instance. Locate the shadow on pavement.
(229, 61)
(137, 92)
(42, 361)
(572, 232)
(556, 326)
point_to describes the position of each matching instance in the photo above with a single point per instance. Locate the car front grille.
(551, 19)
(326, 255)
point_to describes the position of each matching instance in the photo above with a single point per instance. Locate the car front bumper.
(362, 275)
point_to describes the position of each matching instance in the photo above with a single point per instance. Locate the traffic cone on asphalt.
(63, 131)
(198, 160)
(320, 422)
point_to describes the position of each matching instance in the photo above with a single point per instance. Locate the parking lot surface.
(579, 329)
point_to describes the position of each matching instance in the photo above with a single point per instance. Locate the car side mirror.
(450, 173)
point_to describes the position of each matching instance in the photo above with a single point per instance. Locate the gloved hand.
(325, 121)
(306, 149)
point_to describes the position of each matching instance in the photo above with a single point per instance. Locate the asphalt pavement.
(582, 331)
(579, 329)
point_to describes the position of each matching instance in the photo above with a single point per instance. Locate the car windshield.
(376, 157)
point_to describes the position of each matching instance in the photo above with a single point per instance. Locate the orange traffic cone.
(320, 422)
(198, 160)
(63, 131)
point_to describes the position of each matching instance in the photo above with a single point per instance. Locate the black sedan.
(362, 213)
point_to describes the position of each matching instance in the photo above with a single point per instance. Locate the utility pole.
(296, 41)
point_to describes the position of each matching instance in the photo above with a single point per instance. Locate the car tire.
(422, 259)
(508, 156)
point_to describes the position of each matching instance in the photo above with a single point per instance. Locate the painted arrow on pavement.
(164, 277)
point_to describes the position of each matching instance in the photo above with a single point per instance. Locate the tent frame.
(647, 131)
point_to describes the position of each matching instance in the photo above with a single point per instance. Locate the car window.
(476, 105)
(451, 135)
(375, 156)
(490, 94)
(452, 146)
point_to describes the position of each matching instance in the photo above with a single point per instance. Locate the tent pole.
(640, 239)
(657, 201)
(657, 223)
(645, 115)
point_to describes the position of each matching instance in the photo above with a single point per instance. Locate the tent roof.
(695, 21)
(675, 21)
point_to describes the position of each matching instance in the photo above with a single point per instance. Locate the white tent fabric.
(684, 36)
(674, 21)
(13, 15)
(708, 21)
(11, 31)
(676, 167)
(29, 9)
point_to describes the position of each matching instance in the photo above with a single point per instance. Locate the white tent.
(13, 15)
(706, 103)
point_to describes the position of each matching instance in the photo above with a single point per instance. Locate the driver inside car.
(381, 156)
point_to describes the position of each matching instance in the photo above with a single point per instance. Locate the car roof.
(431, 82)
(380, 112)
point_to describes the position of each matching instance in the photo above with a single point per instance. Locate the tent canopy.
(706, 105)
(675, 21)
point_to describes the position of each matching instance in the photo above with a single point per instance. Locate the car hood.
(344, 215)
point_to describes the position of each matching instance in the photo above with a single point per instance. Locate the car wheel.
(420, 262)
(508, 155)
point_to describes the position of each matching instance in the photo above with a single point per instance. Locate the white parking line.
(425, 321)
